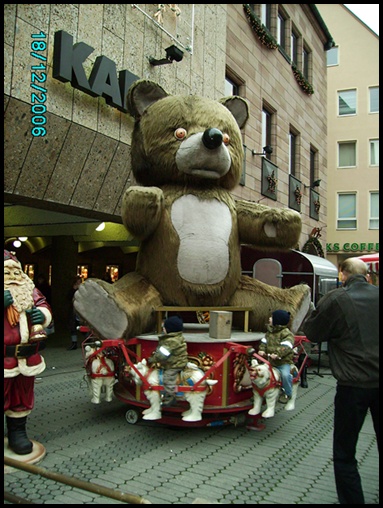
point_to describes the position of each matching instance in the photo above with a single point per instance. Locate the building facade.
(353, 136)
(67, 133)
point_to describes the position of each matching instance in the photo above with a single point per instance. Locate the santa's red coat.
(19, 373)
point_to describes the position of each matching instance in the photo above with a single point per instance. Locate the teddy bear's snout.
(212, 138)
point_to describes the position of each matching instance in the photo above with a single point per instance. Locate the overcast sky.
(368, 13)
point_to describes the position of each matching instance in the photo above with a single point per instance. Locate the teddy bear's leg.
(109, 383)
(124, 308)
(265, 299)
(271, 400)
(196, 401)
(256, 409)
(155, 406)
(96, 390)
(291, 403)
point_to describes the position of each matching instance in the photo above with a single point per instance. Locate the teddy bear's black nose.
(212, 138)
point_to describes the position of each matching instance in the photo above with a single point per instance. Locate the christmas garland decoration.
(259, 29)
(272, 182)
(268, 40)
(302, 81)
(298, 195)
(313, 240)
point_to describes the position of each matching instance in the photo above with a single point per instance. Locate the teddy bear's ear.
(142, 94)
(238, 108)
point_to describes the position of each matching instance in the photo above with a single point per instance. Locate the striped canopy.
(372, 261)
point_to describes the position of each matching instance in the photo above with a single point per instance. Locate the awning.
(372, 261)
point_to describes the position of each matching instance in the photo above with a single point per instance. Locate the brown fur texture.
(187, 156)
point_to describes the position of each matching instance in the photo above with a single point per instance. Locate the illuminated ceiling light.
(23, 238)
(17, 244)
(100, 227)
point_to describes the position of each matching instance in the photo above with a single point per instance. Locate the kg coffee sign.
(68, 59)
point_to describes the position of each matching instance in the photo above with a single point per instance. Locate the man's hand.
(274, 356)
(261, 353)
(37, 317)
(8, 298)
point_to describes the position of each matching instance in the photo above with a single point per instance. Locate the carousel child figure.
(171, 354)
(278, 348)
(26, 314)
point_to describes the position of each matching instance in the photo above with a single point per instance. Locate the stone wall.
(82, 163)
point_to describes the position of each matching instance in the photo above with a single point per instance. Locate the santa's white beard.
(22, 293)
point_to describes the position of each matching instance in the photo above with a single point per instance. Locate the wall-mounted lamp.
(172, 53)
(266, 150)
(314, 184)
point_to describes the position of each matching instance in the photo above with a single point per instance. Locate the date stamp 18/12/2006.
(38, 77)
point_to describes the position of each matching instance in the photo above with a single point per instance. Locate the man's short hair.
(354, 266)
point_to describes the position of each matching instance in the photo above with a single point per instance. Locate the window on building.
(294, 47)
(281, 31)
(266, 128)
(347, 154)
(374, 152)
(231, 88)
(347, 102)
(374, 99)
(306, 62)
(346, 211)
(313, 164)
(333, 56)
(374, 210)
(292, 153)
(266, 15)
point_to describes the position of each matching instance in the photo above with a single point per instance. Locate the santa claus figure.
(26, 314)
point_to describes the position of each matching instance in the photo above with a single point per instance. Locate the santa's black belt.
(23, 350)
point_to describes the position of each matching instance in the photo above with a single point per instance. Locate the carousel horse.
(266, 381)
(100, 373)
(189, 376)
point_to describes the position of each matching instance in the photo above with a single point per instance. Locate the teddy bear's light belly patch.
(204, 229)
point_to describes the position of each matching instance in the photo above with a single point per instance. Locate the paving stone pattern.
(289, 462)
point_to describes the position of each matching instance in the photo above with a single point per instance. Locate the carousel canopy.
(372, 261)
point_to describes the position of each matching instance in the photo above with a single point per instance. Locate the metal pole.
(15, 499)
(74, 482)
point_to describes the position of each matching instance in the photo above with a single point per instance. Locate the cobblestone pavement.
(289, 462)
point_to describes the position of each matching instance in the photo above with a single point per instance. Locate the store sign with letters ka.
(68, 59)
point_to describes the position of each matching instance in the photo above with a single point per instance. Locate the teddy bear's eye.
(226, 138)
(180, 133)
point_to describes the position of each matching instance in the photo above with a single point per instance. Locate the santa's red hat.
(10, 259)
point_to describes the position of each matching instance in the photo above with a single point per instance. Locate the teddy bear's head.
(185, 140)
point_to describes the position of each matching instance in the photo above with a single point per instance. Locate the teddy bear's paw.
(100, 310)
(141, 210)
(303, 308)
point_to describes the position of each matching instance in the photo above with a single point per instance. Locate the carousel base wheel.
(132, 416)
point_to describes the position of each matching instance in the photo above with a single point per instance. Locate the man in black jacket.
(348, 319)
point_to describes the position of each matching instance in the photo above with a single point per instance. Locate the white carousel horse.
(191, 375)
(100, 371)
(266, 384)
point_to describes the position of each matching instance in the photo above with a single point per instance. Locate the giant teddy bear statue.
(186, 157)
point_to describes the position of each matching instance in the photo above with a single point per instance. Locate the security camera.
(268, 149)
(174, 53)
